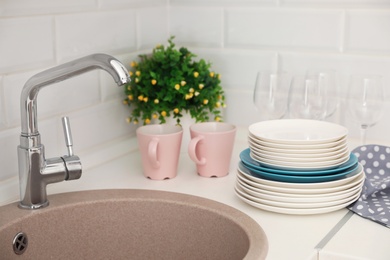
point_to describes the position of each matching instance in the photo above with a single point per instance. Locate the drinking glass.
(328, 84)
(365, 101)
(307, 99)
(270, 93)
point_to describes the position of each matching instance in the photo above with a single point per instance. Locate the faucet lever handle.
(68, 135)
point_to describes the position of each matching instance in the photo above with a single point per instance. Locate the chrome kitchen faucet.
(35, 172)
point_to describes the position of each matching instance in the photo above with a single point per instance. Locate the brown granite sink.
(130, 224)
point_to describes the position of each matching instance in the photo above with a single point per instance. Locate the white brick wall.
(284, 28)
(367, 31)
(84, 33)
(239, 37)
(26, 42)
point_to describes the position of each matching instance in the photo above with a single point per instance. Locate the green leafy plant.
(170, 82)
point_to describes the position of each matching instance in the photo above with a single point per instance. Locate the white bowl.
(296, 205)
(334, 145)
(297, 131)
(298, 198)
(294, 211)
(297, 149)
(348, 181)
(291, 157)
(306, 166)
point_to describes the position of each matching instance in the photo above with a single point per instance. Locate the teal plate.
(346, 167)
(295, 179)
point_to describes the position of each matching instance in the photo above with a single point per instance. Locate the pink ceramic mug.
(160, 149)
(211, 147)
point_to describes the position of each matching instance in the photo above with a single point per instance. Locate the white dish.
(288, 165)
(297, 146)
(298, 131)
(298, 198)
(292, 211)
(298, 149)
(303, 188)
(296, 205)
(286, 157)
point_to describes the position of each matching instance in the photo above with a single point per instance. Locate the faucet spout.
(28, 98)
(35, 172)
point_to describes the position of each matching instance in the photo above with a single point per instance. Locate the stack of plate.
(297, 166)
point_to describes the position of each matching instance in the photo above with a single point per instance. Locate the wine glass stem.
(363, 134)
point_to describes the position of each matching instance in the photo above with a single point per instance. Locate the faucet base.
(34, 206)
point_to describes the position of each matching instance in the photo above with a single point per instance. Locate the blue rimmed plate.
(348, 166)
(295, 178)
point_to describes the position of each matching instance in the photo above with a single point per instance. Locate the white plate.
(285, 165)
(296, 205)
(293, 211)
(298, 131)
(297, 146)
(298, 149)
(286, 157)
(303, 188)
(298, 198)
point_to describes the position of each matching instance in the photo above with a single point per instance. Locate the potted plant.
(170, 83)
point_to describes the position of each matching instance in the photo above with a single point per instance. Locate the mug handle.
(152, 153)
(192, 148)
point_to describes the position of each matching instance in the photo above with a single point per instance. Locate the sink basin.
(130, 224)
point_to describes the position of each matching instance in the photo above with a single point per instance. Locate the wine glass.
(307, 98)
(270, 93)
(329, 85)
(365, 101)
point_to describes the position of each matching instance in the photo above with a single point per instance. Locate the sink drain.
(20, 243)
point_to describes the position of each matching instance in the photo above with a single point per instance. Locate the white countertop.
(289, 236)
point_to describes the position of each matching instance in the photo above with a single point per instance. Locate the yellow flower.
(128, 120)
(205, 101)
(141, 97)
(136, 80)
(164, 114)
(130, 97)
(125, 102)
(177, 86)
(196, 74)
(219, 97)
(183, 83)
(130, 73)
(191, 90)
(147, 121)
(129, 87)
(135, 121)
(138, 73)
(218, 104)
(176, 111)
(189, 96)
(201, 86)
(219, 76)
(197, 93)
(154, 82)
(212, 74)
(217, 119)
(133, 64)
(154, 116)
(156, 101)
(224, 105)
(145, 99)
